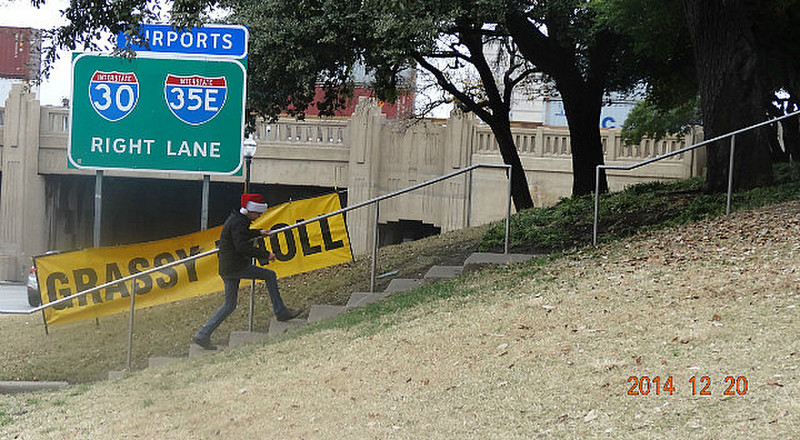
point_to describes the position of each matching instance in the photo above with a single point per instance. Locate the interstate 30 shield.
(113, 94)
(195, 99)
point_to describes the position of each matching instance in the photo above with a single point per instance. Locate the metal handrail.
(732, 135)
(375, 200)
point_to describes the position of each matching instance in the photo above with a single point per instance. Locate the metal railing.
(375, 200)
(732, 135)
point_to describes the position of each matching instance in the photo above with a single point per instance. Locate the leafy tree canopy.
(299, 44)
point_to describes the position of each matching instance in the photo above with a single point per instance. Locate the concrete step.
(157, 361)
(318, 312)
(402, 285)
(443, 272)
(22, 386)
(117, 374)
(479, 260)
(358, 299)
(196, 350)
(277, 327)
(242, 337)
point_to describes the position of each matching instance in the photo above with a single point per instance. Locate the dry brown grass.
(537, 351)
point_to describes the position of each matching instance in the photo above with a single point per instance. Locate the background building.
(20, 58)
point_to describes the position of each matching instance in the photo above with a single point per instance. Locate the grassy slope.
(575, 327)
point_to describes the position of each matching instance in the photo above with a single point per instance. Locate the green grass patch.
(639, 208)
(374, 317)
(5, 419)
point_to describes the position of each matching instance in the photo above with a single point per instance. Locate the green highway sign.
(157, 113)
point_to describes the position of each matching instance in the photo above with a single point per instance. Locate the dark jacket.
(236, 245)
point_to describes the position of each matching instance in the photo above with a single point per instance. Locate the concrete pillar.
(364, 133)
(696, 159)
(22, 196)
(458, 154)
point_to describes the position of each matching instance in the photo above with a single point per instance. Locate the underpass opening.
(403, 231)
(136, 210)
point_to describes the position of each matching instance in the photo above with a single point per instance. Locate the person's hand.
(271, 256)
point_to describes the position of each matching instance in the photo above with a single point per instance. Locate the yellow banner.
(305, 248)
(319, 244)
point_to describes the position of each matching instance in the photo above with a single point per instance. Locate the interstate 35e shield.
(195, 99)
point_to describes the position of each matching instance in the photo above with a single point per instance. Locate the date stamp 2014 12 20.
(700, 386)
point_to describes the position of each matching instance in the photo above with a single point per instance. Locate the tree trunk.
(582, 108)
(730, 91)
(582, 97)
(791, 130)
(791, 138)
(519, 182)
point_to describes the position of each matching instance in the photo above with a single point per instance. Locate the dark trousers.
(232, 296)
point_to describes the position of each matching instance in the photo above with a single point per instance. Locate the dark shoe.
(288, 314)
(204, 342)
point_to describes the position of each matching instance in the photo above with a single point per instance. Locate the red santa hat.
(253, 203)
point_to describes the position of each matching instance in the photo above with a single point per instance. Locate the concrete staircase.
(319, 312)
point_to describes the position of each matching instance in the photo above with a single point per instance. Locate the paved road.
(13, 297)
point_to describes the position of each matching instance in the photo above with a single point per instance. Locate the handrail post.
(508, 211)
(469, 197)
(596, 203)
(44, 321)
(252, 305)
(374, 249)
(130, 325)
(730, 175)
